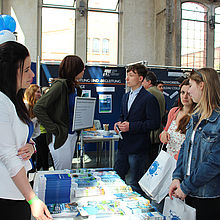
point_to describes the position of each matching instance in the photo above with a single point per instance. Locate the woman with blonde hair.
(31, 96)
(197, 175)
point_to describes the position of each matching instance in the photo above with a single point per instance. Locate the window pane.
(193, 11)
(58, 31)
(103, 4)
(103, 26)
(217, 39)
(60, 2)
(194, 32)
(105, 46)
(95, 47)
(89, 45)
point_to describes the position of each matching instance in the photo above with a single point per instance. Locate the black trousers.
(42, 152)
(205, 208)
(15, 209)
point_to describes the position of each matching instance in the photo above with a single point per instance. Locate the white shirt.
(190, 154)
(132, 96)
(176, 139)
(13, 135)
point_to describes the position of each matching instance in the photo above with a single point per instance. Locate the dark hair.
(159, 82)
(152, 77)
(140, 69)
(69, 68)
(12, 57)
(185, 119)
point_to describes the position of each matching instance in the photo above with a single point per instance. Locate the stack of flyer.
(58, 187)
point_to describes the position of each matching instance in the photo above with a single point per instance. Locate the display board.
(171, 85)
(96, 82)
(107, 85)
(84, 110)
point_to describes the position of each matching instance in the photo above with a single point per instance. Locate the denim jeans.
(133, 164)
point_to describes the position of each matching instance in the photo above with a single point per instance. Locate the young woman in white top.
(178, 117)
(15, 146)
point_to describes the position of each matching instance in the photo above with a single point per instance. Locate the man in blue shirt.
(140, 113)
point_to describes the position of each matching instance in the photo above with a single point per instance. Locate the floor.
(89, 160)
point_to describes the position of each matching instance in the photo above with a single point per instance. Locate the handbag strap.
(160, 147)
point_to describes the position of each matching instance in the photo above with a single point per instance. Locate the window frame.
(216, 23)
(206, 30)
(96, 48)
(116, 11)
(73, 8)
(105, 50)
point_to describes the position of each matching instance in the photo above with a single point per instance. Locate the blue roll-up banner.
(171, 85)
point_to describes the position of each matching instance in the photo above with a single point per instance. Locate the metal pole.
(81, 150)
(38, 71)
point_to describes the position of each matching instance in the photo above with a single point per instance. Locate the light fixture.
(82, 8)
(212, 22)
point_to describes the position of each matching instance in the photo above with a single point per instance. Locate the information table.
(91, 194)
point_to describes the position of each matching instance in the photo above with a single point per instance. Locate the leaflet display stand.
(83, 117)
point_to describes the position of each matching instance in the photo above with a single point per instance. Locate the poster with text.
(105, 103)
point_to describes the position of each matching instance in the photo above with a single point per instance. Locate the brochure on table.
(95, 193)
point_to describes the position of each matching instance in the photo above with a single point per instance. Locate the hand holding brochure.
(119, 132)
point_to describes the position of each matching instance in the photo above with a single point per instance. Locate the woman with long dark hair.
(16, 128)
(56, 108)
(178, 118)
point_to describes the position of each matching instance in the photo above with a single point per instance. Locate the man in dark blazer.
(140, 113)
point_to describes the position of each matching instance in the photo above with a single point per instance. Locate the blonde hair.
(210, 99)
(29, 97)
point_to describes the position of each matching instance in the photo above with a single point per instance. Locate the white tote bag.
(177, 209)
(156, 181)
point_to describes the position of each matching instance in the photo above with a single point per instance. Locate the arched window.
(105, 45)
(194, 35)
(88, 45)
(95, 45)
(217, 39)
